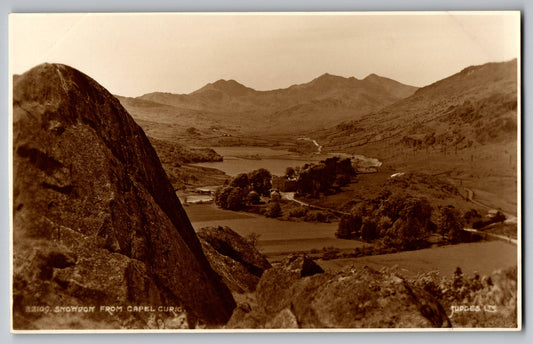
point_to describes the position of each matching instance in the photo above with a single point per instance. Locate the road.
(290, 197)
(495, 236)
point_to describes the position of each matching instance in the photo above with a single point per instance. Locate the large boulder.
(233, 257)
(353, 298)
(95, 220)
(274, 291)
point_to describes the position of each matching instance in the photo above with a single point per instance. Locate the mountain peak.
(229, 87)
(230, 82)
(331, 77)
(372, 76)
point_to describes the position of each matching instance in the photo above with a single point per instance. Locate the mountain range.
(326, 100)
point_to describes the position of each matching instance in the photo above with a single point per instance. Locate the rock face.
(95, 220)
(354, 298)
(238, 262)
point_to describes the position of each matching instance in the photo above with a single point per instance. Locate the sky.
(134, 54)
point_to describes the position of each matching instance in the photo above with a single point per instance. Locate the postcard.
(229, 172)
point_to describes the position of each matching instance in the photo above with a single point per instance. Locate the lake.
(246, 159)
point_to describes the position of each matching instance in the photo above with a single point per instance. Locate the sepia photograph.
(265, 172)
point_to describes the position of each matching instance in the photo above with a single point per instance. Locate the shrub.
(273, 210)
(252, 238)
(317, 216)
(298, 212)
(330, 253)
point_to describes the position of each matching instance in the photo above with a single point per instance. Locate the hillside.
(464, 127)
(479, 102)
(95, 218)
(227, 104)
(176, 159)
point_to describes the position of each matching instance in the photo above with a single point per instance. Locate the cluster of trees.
(476, 221)
(400, 221)
(244, 189)
(313, 179)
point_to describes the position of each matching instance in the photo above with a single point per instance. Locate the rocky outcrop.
(95, 219)
(233, 257)
(354, 298)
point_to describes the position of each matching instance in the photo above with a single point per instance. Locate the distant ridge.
(231, 84)
(322, 102)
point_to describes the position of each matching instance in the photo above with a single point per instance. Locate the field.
(481, 257)
(275, 237)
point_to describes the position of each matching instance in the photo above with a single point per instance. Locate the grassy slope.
(482, 257)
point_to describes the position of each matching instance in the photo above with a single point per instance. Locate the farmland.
(275, 237)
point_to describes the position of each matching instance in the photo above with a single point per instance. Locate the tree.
(290, 173)
(348, 226)
(260, 181)
(235, 200)
(472, 215)
(221, 196)
(253, 197)
(393, 204)
(384, 223)
(451, 223)
(241, 181)
(361, 209)
(410, 217)
(344, 167)
(305, 183)
(417, 209)
(368, 229)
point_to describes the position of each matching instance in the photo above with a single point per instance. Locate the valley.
(415, 187)
(432, 131)
(196, 172)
